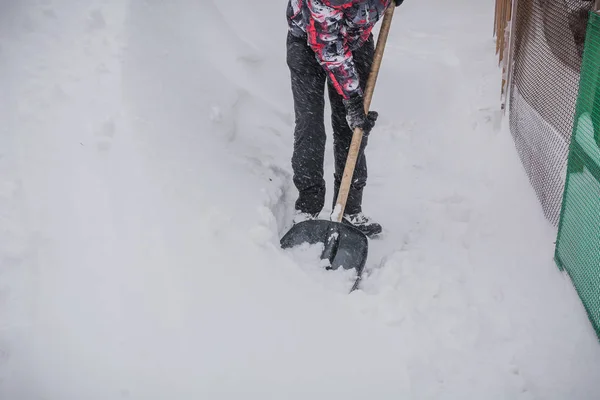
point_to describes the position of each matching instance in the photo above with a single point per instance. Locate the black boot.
(363, 223)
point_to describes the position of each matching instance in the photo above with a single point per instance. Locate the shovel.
(344, 245)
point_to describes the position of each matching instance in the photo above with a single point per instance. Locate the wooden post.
(507, 85)
(495, 18)
(497, 21)
(505, 18)
(508, 58)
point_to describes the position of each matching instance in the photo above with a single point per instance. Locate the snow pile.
(145, 182)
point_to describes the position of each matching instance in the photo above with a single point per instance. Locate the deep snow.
(145, 181)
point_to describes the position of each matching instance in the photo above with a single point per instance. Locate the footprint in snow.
(49, 13)
(105, 135)
(96, 21)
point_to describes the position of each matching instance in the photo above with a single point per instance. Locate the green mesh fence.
(578, 242)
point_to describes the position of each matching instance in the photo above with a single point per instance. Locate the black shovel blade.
(344, 245)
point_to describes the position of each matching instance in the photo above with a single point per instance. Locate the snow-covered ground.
(145, 182)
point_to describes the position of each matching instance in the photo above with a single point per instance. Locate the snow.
(145, 183)
(335, 213)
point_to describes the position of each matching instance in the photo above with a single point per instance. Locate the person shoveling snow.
(331, 40)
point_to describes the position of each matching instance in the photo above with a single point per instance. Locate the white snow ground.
(145, 182)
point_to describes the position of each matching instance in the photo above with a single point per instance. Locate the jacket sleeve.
(326, 39)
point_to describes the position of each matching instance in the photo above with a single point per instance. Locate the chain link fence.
(553, 75)
(548, 39)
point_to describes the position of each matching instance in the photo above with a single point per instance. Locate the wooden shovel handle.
(340, 205)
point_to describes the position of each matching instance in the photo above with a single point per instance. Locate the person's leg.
(308, 88)
(342, 134)
(363, 59)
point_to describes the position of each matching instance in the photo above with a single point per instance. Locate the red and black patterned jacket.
(334, 28)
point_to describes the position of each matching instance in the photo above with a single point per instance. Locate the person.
(331, 40)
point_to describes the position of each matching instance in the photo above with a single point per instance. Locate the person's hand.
(356, 117)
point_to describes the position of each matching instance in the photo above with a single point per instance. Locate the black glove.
(398, 2)
(356, 117)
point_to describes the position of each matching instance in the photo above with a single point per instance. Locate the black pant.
(308, 87)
